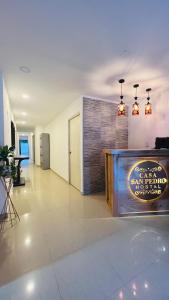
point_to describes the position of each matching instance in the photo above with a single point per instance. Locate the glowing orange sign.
(147, 180)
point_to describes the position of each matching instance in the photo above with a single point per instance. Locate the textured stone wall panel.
(102, 128)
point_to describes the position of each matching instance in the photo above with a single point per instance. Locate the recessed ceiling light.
(30, 287)
(27, 241)
(24, 69)
(25, 96)
(24, 113)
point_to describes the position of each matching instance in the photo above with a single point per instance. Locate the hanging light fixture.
(148, 106)
(121, 106)
(135, 107)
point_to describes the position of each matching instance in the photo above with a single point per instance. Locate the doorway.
(74, 152)
(24, 147)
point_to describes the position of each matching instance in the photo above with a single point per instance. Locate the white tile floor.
(73, 254)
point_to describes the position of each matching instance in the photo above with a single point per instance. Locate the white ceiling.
(80, 47)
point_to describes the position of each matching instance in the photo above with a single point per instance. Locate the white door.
(74, 151)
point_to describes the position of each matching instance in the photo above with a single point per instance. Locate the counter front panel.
(137, 181)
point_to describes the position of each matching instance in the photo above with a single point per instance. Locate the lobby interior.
(60, 66)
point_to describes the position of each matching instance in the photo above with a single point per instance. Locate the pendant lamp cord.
(136, 86)
(121, 81)
(148, 95)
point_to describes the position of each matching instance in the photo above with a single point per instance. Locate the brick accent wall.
(102, 128)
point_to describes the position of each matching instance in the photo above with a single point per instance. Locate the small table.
(19, 180)
(8, 212)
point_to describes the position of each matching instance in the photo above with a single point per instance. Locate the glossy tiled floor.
(67, 247)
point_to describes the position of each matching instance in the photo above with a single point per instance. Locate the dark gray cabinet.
(45, 151)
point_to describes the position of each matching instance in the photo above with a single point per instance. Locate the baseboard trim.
(67, 181)
(59, 176)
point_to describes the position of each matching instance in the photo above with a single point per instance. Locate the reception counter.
(137, 181)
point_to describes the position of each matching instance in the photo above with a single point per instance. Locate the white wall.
(1, 112)
(31, 150)
(144, 129)
(59, 146)
(38, 131)
(6, 117)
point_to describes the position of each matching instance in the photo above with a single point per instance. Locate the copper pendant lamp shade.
(148, 106)
(135, 106)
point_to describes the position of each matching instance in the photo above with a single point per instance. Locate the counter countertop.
(137, 152)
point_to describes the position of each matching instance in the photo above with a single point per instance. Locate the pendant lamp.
(121, 106)
(148, 106)
(135, 106)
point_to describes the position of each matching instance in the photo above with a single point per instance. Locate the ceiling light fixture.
(24, 113)
(135, 107)
(30, 287)
(27, 241)
(148, 106)
(121, 106)
(25, 96)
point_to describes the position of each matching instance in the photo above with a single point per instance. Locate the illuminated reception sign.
(147, 180)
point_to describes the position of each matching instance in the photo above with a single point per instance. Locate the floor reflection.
(68, 247)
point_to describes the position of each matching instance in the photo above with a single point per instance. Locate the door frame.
(69, 167)
(33, 148)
